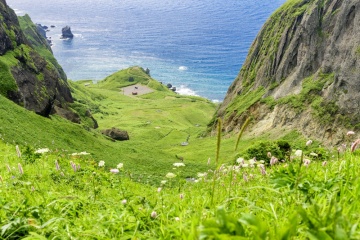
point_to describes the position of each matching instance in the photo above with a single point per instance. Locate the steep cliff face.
(29, 74)
(302, 72)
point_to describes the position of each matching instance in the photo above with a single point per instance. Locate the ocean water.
(196, 45)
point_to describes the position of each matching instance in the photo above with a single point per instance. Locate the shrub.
(279, 149)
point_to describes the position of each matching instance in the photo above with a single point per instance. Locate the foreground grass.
(81, 199)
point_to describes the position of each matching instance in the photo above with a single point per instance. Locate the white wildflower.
(298, 153)
(240, 160)
(18, 152)
(124, 201)
(307, 162)
(102, 163)
(170, 175)
(179, 164)
(163, 182)
(349, 133)
(313, 154)
(80, 153)
(201, 175)
(252, 161)
(309, 142)
(153, 214)
(42, 150)
(120, 165)
(114, 170)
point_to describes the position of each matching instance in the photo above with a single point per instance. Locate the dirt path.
(137, 88)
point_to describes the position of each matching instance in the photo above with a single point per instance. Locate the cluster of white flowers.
(80, 153)
(114, 170)
(120, 165)
(42, 150)
(201, 175)
(179, 164)
(170, 175)
(102, 163)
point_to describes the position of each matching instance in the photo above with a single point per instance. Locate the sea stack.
(66, 32)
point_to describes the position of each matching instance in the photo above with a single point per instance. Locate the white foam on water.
(183, 68)
(183, 90)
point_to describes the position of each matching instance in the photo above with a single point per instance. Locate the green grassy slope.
(158, 123)
(299, 199)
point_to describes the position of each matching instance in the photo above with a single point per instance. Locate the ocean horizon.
(197, 46)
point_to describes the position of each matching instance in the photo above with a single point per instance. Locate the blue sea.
(196, 45)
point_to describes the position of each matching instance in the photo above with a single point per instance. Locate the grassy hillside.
(56, 196)
(157, 124)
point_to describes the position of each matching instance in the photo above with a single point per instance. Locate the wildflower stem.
(217, 160)
(246, 123)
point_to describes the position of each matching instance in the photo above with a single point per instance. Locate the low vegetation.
(56, 194)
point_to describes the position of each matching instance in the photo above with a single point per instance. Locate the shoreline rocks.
(66, 33)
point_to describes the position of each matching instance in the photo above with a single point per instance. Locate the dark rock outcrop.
(66, 32)
(302, 72)
(31, 80)
(68, 114)
(116, 134)
(89, 115)
(10, 32)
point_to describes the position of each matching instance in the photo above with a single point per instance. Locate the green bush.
(279, 149)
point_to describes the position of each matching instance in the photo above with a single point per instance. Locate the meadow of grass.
(48, 194)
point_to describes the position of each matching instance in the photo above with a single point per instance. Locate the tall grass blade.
(246, 123)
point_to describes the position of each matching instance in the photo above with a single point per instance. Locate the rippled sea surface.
(197, 45)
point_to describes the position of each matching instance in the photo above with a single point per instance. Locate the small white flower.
(18, 152)
(159, 189)
(80, 153)
(273, 160)
(179, 164)
(153, 214)
(170, 175)
(124, 201)
(307, 162)
(313, 154)
(114, 170)
(120, 165)
(163, 182)
(309, 142)
(102, 163)
(298, 153)
(200, 175)
(83, 153)
(245, 165)
(177, 219)
(42, 150)
(252, 161)
(349, 133)
(240, 160)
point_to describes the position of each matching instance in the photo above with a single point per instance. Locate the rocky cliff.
(302, 72)
(29, 74)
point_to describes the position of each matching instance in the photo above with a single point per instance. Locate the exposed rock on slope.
(29, 74)
(302, 72)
